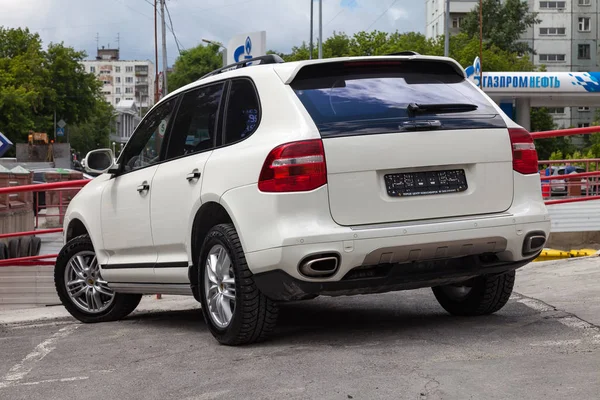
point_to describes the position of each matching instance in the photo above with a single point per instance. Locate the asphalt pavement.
(390, 346)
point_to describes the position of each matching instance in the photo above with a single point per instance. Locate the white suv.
(266, 181)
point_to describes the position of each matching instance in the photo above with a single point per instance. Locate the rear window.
(374, 97)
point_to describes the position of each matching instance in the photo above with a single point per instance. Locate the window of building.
(129, 79)
(583, 125)
(457, 22)
(106, 82)
(118, 79)
(553, 31)
(583, 109)
(552, 58)
(553, 5)
(128, 69)
(117, 69)
(585, 2)
(128, 98)
(117, 100)
(118, 90)
(128, 90)
(556, 110)
(584, 24)
(92, 69)
(584, 52)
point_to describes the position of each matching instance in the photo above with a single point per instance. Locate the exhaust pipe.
(533, 243)
(321, 266)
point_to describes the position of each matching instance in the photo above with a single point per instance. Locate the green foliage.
(541, 120)
(503, 24)
(95, 131)
(35, 83)
(194, 63)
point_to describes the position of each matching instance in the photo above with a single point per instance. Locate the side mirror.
(99, 161)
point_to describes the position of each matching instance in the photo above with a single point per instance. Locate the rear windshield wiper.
(414, 108)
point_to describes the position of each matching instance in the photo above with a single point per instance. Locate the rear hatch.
(406, 139)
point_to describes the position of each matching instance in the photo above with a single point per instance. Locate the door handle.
(144, 187)
(194, 175)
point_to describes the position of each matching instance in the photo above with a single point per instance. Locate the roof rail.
(268, 59)
(405, 53)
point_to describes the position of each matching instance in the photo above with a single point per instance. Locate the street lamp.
(220, 45)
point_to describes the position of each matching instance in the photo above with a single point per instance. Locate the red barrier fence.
(54, 193)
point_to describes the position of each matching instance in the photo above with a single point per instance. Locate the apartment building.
(566, 39)
(123, 79)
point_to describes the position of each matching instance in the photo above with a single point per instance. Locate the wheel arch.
(208, 215)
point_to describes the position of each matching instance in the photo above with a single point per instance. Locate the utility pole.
(164, 47)
(310, 47)
(320, 28)
(447, 30)
(155, 55)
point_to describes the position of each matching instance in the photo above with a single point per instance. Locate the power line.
(336, 15)
(177, 43)
(382, 14)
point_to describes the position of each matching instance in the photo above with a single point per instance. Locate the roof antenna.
(97, 40)
(118, 41)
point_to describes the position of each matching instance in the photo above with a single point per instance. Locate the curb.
(551, 254)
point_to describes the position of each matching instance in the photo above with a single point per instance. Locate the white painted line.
(557, 343)
(536, 304)
(21, 369)
(75, 378)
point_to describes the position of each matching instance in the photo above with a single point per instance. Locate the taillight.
(294, 167)
(525, 159)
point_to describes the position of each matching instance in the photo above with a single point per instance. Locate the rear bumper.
(280, 286)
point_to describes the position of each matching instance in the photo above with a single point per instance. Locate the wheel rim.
(219, 286)
(456, 292)
(85, 286)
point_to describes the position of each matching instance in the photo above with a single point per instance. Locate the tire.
(25, 246)
(13, 248)
(36, 245)
(486, 295)
(121, 305)
(3, 251)
(254, 315)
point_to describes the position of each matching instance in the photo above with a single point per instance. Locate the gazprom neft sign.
(246, 46)
(535, 82)
(518, 82)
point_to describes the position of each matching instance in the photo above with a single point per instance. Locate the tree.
(504, 22)
(194, 63)
(94, 133)
(34, 84)
(541, 120)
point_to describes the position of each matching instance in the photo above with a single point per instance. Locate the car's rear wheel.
(81, 289)
(479, 296)
(234, 309)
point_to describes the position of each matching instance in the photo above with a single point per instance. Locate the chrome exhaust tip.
(320, 266)
(533, 243)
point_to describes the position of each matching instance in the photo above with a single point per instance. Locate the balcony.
(141, 70)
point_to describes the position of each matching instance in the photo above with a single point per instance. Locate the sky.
(77, 22)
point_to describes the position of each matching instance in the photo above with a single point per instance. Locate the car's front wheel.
(234, 309)
(479, 296)
(81, 289)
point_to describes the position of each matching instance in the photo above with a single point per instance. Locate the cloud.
(76, 22)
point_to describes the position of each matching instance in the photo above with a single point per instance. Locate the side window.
(144, 146)
(241, 115)
(195, 126)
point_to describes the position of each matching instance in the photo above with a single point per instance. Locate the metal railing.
(54, 187)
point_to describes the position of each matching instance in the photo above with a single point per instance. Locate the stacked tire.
(25, 246)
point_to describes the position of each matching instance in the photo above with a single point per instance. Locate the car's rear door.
(179, 179)
(406, 140)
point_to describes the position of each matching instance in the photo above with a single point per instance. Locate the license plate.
(426, 183)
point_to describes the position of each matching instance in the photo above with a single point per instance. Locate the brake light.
(294, 167)
(525, 159)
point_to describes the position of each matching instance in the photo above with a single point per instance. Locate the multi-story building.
(123, 79)
(566, 39)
